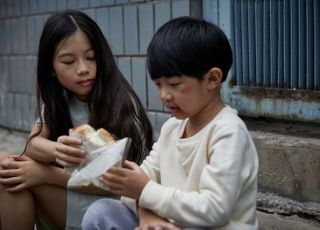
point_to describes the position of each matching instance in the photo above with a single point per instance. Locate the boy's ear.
(214, 78)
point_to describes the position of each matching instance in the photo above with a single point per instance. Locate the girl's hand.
(69, 152)
(21, 172)
(128, 181)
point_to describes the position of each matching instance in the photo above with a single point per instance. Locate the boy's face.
(184, 96)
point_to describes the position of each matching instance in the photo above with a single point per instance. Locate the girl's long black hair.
(112, 104)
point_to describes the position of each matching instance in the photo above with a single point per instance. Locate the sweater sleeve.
(219, 186)
(151, 168)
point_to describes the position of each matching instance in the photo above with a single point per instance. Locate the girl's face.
(184, 96)
(75, 65)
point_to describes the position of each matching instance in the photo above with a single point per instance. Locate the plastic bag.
(98, 161)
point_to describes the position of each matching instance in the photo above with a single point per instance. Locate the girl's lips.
(87, 82)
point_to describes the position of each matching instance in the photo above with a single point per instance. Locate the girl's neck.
(199, 121)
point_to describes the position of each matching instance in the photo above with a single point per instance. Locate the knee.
(108, 214)
(95, 217)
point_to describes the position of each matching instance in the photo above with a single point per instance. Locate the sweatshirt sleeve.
(219, 186)
(151, 168)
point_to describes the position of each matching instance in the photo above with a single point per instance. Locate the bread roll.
(101, 137)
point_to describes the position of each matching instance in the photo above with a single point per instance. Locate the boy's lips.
(86, 82)
(173, 109)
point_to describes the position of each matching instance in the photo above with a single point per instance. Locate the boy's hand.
(151, 221)
(69, 152)
(157, 226)
(128, 181)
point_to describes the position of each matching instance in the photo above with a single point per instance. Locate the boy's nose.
(165, 95)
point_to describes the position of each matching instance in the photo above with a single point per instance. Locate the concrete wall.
(127, 24)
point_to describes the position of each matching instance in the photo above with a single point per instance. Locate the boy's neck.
(198, 122)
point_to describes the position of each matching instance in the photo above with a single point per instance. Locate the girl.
(77, 82)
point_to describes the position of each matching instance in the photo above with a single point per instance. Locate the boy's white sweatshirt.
(207, 180)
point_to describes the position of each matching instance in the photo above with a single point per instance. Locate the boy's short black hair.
(187, 46)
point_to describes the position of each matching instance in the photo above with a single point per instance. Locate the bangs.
(161, 63)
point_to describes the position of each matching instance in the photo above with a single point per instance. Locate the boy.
(202, 171)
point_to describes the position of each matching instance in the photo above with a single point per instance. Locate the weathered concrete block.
(3, 6)
(72, 4)
(31, 35)
(83, 4)
(34, 6)
(25, 7)
(125, 68)
(162, 14)
(180, 8)
(17, 8)
(95, 3)
(23, 35)
(116, 30)
(146, 29)
(10, 8)
(3, 111)
(154, 102)
(4, 74)
(17, 73)
(157, 120)
(7, 36)
(9, 108)
(43, 6)
(131, 30)
(289, 165)
(107, 2)
(61, 4)
(30, 75)
(19, 110)
(139, 79)
(15, 34)
(2, 38)
(102, 18)
(121, 1)
(91, 13)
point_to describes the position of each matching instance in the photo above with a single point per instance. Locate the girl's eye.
(91, 58)
(67, 62)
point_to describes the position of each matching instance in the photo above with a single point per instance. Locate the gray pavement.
(12, 141)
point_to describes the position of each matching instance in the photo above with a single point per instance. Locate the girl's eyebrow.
(64, 54)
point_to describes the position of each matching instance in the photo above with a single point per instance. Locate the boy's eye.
(175, 84)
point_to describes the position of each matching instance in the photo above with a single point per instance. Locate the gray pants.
(109, 214)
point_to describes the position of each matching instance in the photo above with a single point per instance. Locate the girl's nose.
(82, 69)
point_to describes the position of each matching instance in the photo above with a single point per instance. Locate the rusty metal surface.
(294, 105)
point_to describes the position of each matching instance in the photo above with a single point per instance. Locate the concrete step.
(289, 158)
(278, 211)
(271, 221)
(289, 169)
